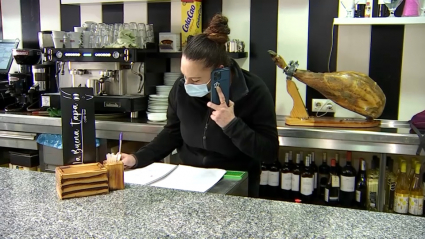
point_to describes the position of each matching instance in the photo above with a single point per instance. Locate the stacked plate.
(163, 89)
(158, 104)
(171, 77)
(157, 107)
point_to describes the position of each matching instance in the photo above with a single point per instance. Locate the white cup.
(75, 43)
(58, 42)
(79, 29)
(58, 34)
(74, 35)
(75, 39)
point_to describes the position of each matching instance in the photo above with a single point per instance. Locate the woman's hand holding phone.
(222, 113)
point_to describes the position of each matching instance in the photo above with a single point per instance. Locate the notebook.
(179, 177)
(148, 174)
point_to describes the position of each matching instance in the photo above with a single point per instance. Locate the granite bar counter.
(29, 208)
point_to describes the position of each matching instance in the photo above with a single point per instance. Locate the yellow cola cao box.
(191, 19)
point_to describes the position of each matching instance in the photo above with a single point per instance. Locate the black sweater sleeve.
(258, 137)
(167, 140)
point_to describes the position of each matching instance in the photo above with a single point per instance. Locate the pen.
(119, 147)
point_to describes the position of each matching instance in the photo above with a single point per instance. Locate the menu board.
(78, 125)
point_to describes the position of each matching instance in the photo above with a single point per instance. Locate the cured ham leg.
(351, 90)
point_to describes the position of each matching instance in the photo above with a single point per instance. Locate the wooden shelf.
(238, 55)
(380, 21)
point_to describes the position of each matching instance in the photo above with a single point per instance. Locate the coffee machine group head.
(21, 82)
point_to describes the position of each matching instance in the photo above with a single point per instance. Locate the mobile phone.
(220, 77)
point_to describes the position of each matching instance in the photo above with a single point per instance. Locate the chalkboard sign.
(78, 125)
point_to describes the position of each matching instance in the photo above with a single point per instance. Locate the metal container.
(93, 83)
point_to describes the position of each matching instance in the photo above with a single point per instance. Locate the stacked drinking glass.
(98, 35)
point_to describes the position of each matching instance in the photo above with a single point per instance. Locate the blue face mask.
(197, 90)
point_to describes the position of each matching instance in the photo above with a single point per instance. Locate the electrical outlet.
(323, 105)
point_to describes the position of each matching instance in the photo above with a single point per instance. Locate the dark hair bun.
(218, 30)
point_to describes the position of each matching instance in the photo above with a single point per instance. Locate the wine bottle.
(348, 183)
(338, 167)
(423, 176)
(291, 162)
(323, 175)
(302, 162)
(264, 178)
(416, 197)
(361, 185)
(307, 181)
(407, 165)
(400, 161)
(360, 8)
(286, 179)
(295, 183)
(314, 170)
(412, 169)
(273, 180)
(332, 188)
(372, 185)
(402, 191)
(391, 181)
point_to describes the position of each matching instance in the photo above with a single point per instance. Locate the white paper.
(191, 179)
(148, 174)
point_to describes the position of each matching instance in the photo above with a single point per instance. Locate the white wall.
(91, 12)
(412, 96)
(12, 25)
(136, 12)
(50, 16)
(239, 14)
(292, 44)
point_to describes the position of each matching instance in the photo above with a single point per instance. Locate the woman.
(238, 136)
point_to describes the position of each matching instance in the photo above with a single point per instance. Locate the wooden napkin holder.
(115, 175)
(81, 180)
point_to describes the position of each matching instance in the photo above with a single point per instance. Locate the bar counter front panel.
(30, 209)
(393, 137)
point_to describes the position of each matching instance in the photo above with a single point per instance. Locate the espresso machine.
(21, 82)
(115, 74)
(117, 87)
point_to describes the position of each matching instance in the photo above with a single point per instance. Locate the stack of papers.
(180, 177)
(149, 174)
